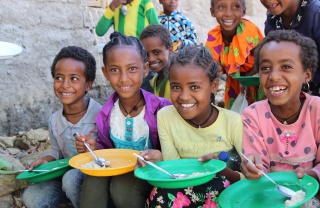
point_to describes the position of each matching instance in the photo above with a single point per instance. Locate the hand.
(116, 3)
(300, 172)
(149, 155)
(40, 161)
(250, 171)
(80, 145)
(207, 157)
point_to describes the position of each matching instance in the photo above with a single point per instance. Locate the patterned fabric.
(163, 90)
(129, 133)
(204, 196)
(307, 22)
(152, 106)
(61, 131)
(262, 135)
(140, 14)
(236, 59)
(180, 28)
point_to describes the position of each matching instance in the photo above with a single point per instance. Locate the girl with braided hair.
(194, 127)
(127, 120)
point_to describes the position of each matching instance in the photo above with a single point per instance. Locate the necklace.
(72, 114)
(199, 125)
(286, 119)
(135, 107)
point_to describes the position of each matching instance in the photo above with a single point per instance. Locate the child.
(140, 13)
(302, 16)
(73, 70)
(157, 42)
(282, 133)
(183, 32)
(127, 120)
(231, 42)
(194, 127)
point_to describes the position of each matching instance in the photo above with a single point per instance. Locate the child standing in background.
(126, 120)
(73, 70)
(139, 14)
(157, 42)
(193, 127)
(183, 32)
(300, 15)
(231, 43)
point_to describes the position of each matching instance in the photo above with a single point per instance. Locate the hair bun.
(115, 34)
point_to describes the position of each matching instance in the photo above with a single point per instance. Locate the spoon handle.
(87, 146)
(34, 170)
(152, 164)
(260, 170)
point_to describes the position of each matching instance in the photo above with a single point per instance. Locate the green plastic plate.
(57, 168)
(262, 193)
(155, 177)
(248, 80)
(7, 167)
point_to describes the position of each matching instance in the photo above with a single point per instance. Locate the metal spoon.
(33, 170)
(100, 161)
(178, 175)
(282, 189)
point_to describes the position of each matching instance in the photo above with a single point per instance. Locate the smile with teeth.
(67, 93)
(154, 65)
(187, 105)
(277, 89)
(272, 5)
(125, 87)
(228, 22)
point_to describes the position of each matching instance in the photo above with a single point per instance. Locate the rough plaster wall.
(42, 28)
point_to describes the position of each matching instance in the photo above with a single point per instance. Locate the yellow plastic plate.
(121, 161)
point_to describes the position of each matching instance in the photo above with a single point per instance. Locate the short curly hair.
(79, 54)
(308, 48)
(157, 31)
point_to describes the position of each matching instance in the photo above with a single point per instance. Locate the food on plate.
(295, 199)
(94, 165)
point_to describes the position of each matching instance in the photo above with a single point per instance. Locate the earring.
(306, 86)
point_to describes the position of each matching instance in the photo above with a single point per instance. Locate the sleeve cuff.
(108, 13)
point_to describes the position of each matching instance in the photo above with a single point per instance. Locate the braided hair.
(118, 39)
(79, 54)
(198, 56)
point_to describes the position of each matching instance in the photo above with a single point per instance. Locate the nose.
(65, 83)
(228, 11)
(275, 75)
(184, 95)
(151, 58)
(123, 76)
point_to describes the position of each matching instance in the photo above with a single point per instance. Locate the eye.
(133, 68)
(194, 87)
(237, 6)
(74, 78)
(113, 70)
(58, 78)
(220, 7)
(156, 52)
(264, 68)
(286, 67)
(175, 87)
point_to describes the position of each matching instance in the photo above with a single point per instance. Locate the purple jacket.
(153, 105)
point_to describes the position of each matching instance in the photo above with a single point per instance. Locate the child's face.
(191, 91)
(169, 6)
(158, 53)
(277, 7)
(228, 14)
(281, 72)
(70, 83)
(125, 70)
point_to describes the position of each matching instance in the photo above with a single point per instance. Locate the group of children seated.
(179, 119)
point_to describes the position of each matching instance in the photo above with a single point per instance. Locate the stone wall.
(42, 28)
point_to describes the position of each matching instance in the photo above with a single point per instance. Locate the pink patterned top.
(284, 147)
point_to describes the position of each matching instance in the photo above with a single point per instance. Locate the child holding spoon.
(73, 71)
(193, 127)
(282, 132)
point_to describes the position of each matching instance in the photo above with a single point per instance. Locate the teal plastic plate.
(262, 193)
(57, 168)
(248, 80)
(7, 167)
(206, 170)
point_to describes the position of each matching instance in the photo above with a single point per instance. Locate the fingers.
(80, 139)
(300, 172)
(251, 169)
(149, 155)
(207, 157)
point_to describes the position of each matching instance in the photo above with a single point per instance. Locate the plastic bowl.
(121, 161)
(57, 168)
(263, 194)
(248, 80)
(206, 170)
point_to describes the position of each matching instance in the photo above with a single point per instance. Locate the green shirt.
(140, 14)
